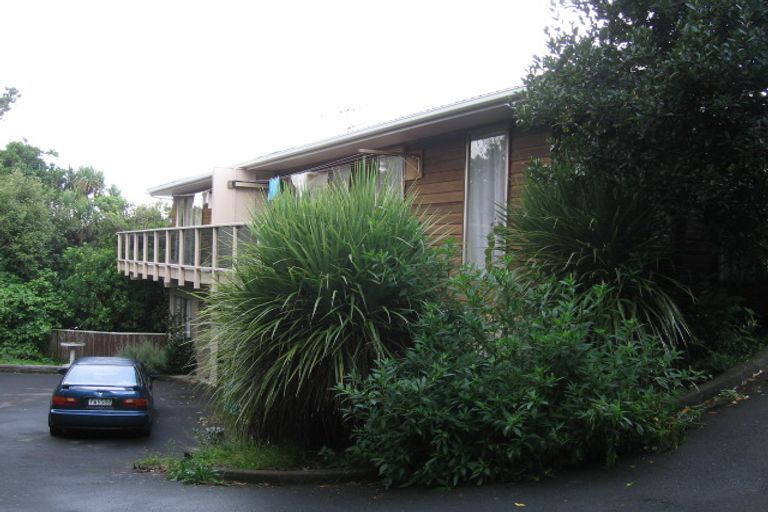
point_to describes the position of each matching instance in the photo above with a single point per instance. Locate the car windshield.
(100, 375)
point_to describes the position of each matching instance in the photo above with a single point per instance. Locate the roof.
(183, 186)
(480, 110)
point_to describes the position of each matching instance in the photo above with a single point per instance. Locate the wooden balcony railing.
(180, 255)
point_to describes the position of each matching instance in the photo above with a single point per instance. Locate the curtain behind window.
(486, 191)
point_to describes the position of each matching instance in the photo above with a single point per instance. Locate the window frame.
(482, 133)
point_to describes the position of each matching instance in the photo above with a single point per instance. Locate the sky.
(149, 92)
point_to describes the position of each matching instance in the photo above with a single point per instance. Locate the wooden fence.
(98, 343)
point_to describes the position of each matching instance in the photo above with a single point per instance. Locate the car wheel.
(145, 432)
(55, 431)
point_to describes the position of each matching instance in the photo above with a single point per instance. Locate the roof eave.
(438, 115)
(183, 186)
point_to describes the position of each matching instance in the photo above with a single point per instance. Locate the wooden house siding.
(441, 188)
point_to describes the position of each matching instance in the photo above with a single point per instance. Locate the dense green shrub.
(668, 99)
(598, 232)
(519, 382)
(29, 310)
(154, 357)
(334, 283)
(180, 348)
(22, 354)
(726, 333)
(101, 299)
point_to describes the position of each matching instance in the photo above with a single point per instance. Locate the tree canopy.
(57, 246)
(668, 98)
(6, 99)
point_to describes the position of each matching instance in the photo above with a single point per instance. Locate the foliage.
(668, 99)
(25, 353)
(181, 350)
(20, 157)
(29, 310)
(26, 230)
(62, 221)
(101, 299)
(333, 284)
(153, 357)
(10, 95)
(727, 333)
(519, 382)
(598, 233)
(251, 455)
(192, 471)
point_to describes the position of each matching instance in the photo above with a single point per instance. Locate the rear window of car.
(101, 375)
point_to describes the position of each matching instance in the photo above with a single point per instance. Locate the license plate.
(100, 402)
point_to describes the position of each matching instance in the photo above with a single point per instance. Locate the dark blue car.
(104, 393)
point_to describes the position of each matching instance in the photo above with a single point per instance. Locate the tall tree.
(26, 229)
(668, 98)
(6, 99)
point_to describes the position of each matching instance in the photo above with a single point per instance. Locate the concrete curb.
(736, 376)
(298, 477)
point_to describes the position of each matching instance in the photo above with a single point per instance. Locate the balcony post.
(234, 244)
(167, 272)
(144, 250)
(134, 253)
(214, 248)
(119, 250)
(196, 274)
(180, 268)
(155, 251)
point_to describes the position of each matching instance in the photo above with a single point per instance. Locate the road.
(722, 467)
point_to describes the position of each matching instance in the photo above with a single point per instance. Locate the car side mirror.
(62, 371)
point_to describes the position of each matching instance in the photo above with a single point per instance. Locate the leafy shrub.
(599, 233)
(519, 382)
(334, 283)
(29, 310)
(154, 358)
(726, 333)
(180, 349)
(101, 299)
(24, 353)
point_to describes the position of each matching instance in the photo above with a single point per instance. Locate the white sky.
(153, 91)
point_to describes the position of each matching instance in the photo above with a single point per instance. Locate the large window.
(391, 174)
(486, 192)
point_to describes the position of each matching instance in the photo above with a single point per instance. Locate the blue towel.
(274, 188)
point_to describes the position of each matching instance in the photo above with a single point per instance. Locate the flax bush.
(518, 381)
(334, 283)
(597, 232)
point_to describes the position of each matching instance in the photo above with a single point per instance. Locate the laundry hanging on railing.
(274, 188)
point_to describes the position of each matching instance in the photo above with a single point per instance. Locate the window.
(183, 310)
(486, 192)
(391, 173)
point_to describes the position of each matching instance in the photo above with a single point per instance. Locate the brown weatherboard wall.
(440, 190)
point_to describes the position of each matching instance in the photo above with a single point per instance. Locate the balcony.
(195, 255)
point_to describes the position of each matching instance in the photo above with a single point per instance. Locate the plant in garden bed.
(598, 232)
(727, 333)
(521, 381)
(219, 452)
(336, 280)
(154, 357)
(26, 353)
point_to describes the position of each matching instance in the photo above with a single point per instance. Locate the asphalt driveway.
(722, 467)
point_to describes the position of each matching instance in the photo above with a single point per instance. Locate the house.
(461, 159)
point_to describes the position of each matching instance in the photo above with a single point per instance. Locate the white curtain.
(391, 170)
(487, 191)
